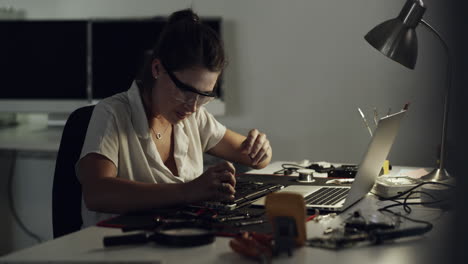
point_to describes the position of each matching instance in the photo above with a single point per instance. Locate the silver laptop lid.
(377, 152)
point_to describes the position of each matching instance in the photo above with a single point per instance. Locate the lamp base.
(437, 175)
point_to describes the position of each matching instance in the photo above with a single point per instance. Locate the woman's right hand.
(217, 183)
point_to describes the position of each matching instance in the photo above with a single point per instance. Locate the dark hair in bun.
(186, 42)
(183, 15)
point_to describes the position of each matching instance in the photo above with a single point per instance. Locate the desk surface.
(86, 246)
(31, 137)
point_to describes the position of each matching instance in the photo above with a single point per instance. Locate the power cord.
(377, 233)
(407, 231)
(411, 190)
(12, 205)
(289, 168)
(405, 204)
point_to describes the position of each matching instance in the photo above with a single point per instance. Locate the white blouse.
(119, 130)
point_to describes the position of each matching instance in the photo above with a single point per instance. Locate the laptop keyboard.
(248, 190)
(326, 196)
(246, 193)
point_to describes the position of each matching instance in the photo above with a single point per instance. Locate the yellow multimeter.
(289, 205)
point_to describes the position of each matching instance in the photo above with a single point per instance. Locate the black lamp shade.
(396, 41)
(396, 38)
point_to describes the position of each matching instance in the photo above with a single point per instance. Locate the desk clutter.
(280, 227)
(320, 169)
(184, 227)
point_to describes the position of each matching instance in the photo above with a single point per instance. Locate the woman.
(144, 148)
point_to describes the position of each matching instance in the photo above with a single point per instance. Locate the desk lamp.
(396, 39)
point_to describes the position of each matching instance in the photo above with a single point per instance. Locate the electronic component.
(343, 171)
(359, 229)
(375, 237)
(357, 223)
(337, 171)
(246, 193)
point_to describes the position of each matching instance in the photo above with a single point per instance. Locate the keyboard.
(326, 196)
(246, 193)
(250, 191)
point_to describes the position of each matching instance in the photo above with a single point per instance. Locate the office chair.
(66, 190)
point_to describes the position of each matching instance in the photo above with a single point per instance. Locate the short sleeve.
(102, 135)
(211, 131)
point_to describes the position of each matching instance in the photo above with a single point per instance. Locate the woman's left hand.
(257, 147)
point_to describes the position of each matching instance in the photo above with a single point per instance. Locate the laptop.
(246, 193)
(339, 198)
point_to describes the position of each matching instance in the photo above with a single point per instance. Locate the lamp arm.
(447, 92)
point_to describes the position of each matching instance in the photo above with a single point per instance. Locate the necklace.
(159, 135)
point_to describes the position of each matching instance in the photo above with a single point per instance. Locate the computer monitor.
(43, 65)
(56, 66)
(118, 51)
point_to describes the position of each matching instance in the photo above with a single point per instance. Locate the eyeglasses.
(188, 94)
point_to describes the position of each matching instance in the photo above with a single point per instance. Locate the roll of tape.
(306, 175)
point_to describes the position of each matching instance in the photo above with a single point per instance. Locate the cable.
(427, 223)
(380, 235)
(408, 210)
(405, 203)
(288, 168)
(401, 204)
(292, 166)
(410, 190)
(384, 235)
(405, 207)
(12, 205)
(415, 192)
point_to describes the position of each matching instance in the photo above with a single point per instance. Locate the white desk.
(31, 137)
(27, 156)
(85, 246)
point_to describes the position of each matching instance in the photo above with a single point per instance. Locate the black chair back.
(66, 190)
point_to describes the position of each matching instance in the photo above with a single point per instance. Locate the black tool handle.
(140, 238)
(383, 235)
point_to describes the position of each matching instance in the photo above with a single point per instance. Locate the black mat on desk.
(146, 220)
